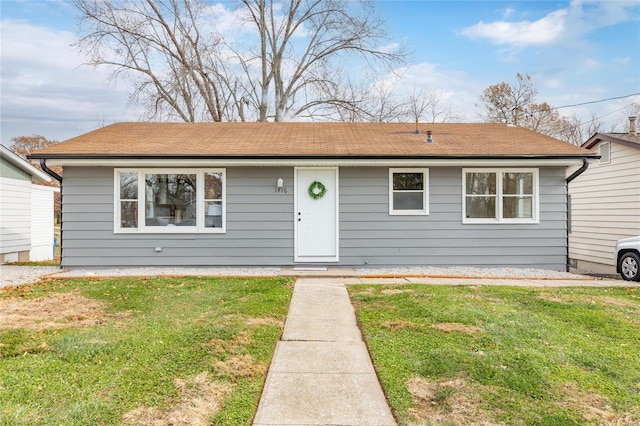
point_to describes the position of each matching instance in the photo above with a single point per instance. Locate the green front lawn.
(501, 355)
(138, 351)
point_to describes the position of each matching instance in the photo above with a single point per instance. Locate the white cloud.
(508, 12)
(453, 87)
(46, 90)
(523, 33)
(579, 18)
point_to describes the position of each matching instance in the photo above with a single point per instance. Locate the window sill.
(408, 213)
(499, 222)
(189, 231)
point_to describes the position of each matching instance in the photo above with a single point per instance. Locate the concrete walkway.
(321, 372)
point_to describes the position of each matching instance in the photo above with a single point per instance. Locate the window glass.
(170, 199)
(213, 200)
(517, 183)
(128, 200)
(408, 200)
(481, 183)
(408, 181)
(499, 195)
(408, 191)
(128, 186)
(481, 192)
(517, 207)
(481, 207)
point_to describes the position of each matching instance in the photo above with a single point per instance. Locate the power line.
(598, 101)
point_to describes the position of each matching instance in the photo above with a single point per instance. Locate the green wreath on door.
(317, 190)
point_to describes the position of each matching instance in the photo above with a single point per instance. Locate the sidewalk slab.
(321, 358)
(323, 399)
(321, 372)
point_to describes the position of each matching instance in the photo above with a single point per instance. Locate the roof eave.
(19, 162)
(593, 140)
(303, 157)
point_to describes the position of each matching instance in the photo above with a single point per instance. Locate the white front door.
(316, 216)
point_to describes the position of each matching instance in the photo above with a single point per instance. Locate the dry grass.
(240, 367)
(593, 408)
(452, 402)
(397, 325)
(199, 400)
(394, 291)
(450, 327)
(59, 310)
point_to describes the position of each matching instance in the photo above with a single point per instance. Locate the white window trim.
(142, 229)
(499, 196)
(425, 199)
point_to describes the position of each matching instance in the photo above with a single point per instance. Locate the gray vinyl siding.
(260, 227)
(368, 235)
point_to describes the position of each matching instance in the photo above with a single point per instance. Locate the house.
(605, 201)
(300, 194)
(26, 211)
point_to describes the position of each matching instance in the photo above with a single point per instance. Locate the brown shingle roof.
(622, 138)
(339, 140)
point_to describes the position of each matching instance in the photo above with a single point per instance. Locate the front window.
(170, 201)
(508, 196)
(408, 191)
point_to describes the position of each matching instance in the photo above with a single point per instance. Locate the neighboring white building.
(605, 201)
(26, 211)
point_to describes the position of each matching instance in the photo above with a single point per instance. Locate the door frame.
(297, 191)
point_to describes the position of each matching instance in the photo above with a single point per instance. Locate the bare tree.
(427, 106)
(184, 68)
(506, 103)
(25, 145)
(160, 42)
(515, 104)
(622, 123)
(299, 39)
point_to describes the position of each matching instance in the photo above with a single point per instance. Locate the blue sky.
(576, 52)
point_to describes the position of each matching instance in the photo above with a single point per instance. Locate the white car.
(628, 258)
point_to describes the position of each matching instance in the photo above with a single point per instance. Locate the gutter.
(47, 170)
(300, 156)
(581, 170)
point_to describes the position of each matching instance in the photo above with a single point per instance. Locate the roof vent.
(632, 125)
(429, 138)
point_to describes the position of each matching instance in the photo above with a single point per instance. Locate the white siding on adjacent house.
(41, 223)
(15, 216)
(605, 206)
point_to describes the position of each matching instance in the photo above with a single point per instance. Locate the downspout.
(581, 170)
(47, 170)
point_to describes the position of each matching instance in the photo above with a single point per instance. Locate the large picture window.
(503, 196)
(170, 201)
(408, 191)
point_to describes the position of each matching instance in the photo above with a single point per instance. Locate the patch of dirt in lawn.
(594, 408)
(59, 310)
(398, 325)
(225, 346)
(450, 401)
(200, 399)
(449, 327)
(241, 366)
